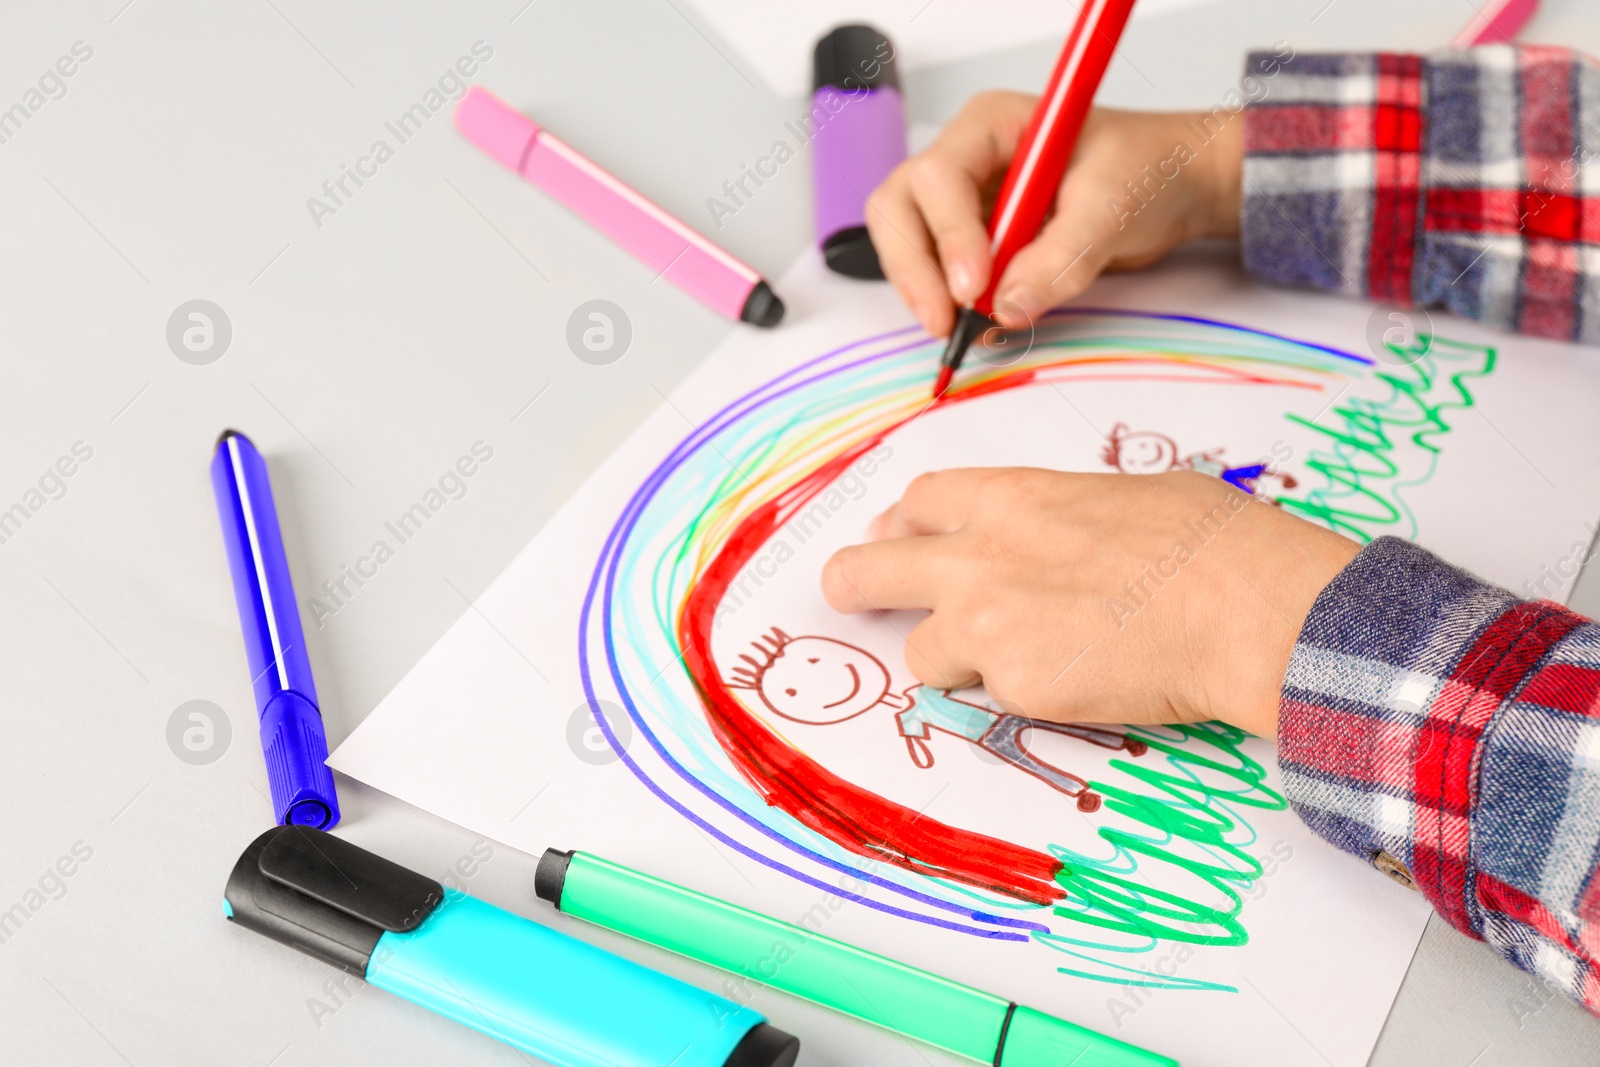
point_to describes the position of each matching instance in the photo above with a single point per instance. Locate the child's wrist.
(1220, 162)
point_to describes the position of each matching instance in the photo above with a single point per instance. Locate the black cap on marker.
(765, 1046)
(852, 57)
(398, 929)
(857, 127)
(762, 307)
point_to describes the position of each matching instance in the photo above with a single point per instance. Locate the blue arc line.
(609, 561)
(611, 552)
(1200, 320)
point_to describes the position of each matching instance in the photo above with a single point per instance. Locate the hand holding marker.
(668, 247)
(1041, 159)
(471, 961)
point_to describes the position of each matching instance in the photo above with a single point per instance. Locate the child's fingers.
(936, 502)
(1069, 253)
(952, 209)
(906, 252)
(883, 575)
(928, 657)
(947, 183)
(926, 219)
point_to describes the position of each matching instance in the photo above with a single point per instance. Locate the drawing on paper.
(1156, 844)
(1149, 452)
(822, 681)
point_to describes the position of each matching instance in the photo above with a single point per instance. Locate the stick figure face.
(820, 681)
(1140, 451)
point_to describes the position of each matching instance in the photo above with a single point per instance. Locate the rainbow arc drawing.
(1175, 854)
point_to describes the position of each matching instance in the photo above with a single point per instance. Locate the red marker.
(1040, 161)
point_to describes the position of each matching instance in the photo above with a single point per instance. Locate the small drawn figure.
(821, 681)
(1149, 452)
(1249, 478)
(1141, 451)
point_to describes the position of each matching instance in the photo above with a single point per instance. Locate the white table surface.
(367, 354)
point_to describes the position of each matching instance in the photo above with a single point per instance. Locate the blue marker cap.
(292, 738)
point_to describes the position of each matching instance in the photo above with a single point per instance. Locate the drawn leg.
(1004, 739)
(1095, 735)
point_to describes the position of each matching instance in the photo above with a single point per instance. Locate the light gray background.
(367, 355)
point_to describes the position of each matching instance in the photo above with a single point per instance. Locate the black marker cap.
(765, 1046)
(850, 252)
(854, 57)
(762, 307)
(324, 896)
(551, 875)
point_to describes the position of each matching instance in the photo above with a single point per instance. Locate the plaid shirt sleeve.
(1449, 733)
(1467, 180)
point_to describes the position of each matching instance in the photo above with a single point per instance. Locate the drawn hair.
(783, 776)
(769, 647)
(1114, 444)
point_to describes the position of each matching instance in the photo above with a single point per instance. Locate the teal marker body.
(906, 999)
(538, 990)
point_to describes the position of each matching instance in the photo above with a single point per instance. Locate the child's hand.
(928, 219)
(1096, 597)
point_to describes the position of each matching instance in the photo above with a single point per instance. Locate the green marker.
(902, 998)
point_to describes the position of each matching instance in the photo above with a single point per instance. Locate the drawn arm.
(914, 728)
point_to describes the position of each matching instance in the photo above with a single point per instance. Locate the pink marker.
(666, 245)
(1496, 22)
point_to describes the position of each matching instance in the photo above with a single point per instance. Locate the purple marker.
(860, 121)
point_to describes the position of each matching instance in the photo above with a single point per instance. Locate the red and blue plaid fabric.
(1433, 719)
(1467, 180)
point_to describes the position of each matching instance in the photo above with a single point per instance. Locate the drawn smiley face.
(821, 681)
(1143, 451)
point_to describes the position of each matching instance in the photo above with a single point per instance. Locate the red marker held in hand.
(1040, 160)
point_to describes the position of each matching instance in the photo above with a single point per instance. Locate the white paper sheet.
(924, 32)
(1489, 442)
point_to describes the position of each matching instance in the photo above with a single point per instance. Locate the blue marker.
(292, 738)
(540, 991)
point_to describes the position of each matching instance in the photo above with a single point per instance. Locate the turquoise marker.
(955, 1017)
(540, 991)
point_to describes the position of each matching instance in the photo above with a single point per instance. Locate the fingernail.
(961, 282)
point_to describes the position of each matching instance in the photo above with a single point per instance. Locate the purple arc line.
(727, 416)
(724, 418)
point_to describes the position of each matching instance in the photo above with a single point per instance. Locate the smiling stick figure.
(1148, 452)
(1140, 451)
(821, 681)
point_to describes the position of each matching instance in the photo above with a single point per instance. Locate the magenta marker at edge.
(666, 245)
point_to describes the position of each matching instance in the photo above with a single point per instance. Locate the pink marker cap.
(495, 127)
